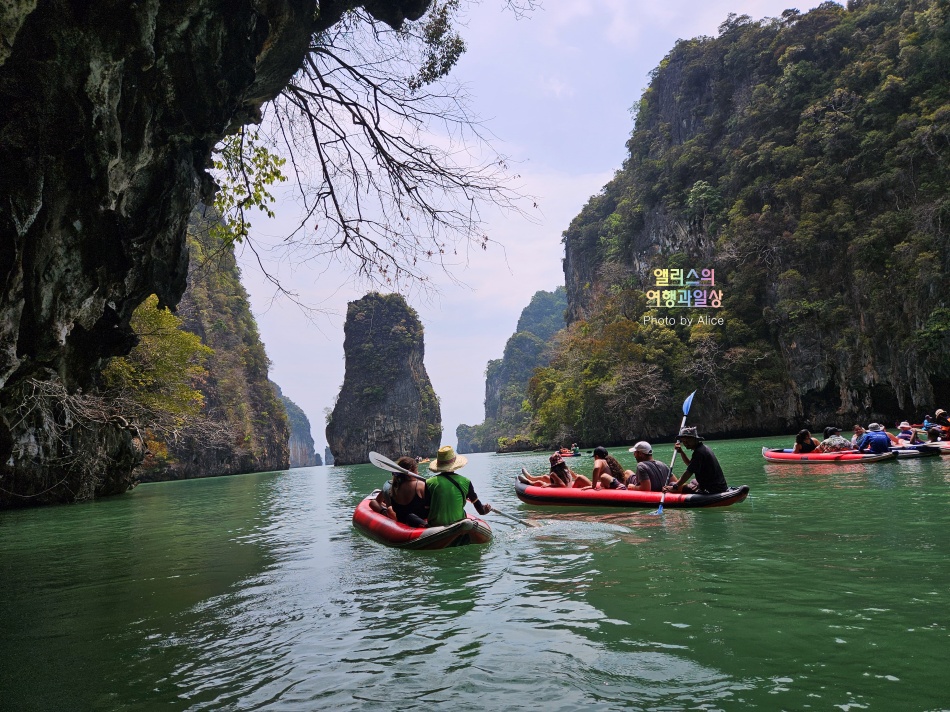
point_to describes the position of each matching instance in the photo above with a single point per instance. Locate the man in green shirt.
(447, 492)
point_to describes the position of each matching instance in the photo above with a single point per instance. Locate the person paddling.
(447, 491)
(703, 464)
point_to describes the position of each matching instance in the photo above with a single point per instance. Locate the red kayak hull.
(378, 527)
(778, 455)
(575, 497)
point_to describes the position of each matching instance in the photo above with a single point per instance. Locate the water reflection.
(257, 593)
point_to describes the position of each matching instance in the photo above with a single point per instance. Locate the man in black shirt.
(703, 464)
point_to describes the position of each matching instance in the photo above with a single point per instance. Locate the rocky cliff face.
(108, 114)
(302, 453)
(386, 403)
(506, 379)
(797, 158)
(252, 431)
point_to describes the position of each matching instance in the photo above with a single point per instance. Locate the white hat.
(642, 446)
(875, 427)
(904, 424)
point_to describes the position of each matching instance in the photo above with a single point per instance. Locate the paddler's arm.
(677, 486)
(473, 498)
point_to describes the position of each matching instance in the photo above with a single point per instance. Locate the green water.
(828, 589)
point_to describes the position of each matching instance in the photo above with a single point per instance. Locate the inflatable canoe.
(575, 497)
(847, 456)
(381, 528)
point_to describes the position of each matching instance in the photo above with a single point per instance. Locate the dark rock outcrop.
(328, 456)
(302, 453)
(386, 403)
(108, 115)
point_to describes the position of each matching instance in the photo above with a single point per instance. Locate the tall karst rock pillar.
(386, 402)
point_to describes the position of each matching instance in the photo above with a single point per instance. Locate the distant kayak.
(575, 497)
(381, 528)
(783, 455)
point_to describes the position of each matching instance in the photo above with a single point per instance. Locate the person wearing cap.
(875, 439)
(608, 473)
(703, 464)
(906, 433)
(560, 476)
(650, 475)
(941, 418)
(833, 441)
(447, 491)
(403, 498)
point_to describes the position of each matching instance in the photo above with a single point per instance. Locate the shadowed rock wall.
(108, 114)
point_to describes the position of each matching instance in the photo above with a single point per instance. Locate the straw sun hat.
(447, 460)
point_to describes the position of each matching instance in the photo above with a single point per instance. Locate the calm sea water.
(828, 589)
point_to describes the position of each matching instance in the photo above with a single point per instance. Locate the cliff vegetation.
(243, 424)
(508, 413)
(112, 116)
(805, 159)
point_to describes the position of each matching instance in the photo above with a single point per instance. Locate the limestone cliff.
(108, 114)
(507, 419)
(302, 453)
(798, 158)
(386, 403)
(252, 432)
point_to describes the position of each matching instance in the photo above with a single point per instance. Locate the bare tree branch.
(391, 168)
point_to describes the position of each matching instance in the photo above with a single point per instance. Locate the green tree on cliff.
(805, 158)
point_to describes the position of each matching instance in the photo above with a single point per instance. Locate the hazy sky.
(556, 90)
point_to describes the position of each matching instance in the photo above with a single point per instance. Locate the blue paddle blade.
(687, 403)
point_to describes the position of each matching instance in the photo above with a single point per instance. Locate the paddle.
(686, 406)
(384, 463)
(512, 518)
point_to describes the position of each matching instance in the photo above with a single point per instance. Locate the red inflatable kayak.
(381, 528)
(575, 497)
(780, 455)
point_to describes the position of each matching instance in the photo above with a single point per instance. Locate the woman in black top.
(805, 443)
(403, 499)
